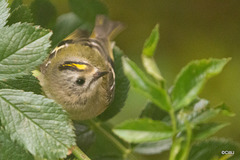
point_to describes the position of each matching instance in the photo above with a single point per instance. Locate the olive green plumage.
(79, 72)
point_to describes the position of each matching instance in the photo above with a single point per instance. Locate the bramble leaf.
(191, 79)
(20, 14)
(205, 130)
(22, 48)
(37, 123)
(150, 148)
(213, 147)
(15, 4)
(65, 25)
(27, 83)
(200, 116)
(44, 13)
(148, 52)
(143, 130)
(11, 150)
(88, 9)
(121, 87)
(4, 13)
(151, 43)
(141, 83)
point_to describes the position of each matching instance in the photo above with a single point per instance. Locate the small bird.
(79, 72)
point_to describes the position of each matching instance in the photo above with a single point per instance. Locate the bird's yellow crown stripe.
(78, 66)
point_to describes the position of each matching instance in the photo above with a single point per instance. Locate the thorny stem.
(126, 151)
(79, 153)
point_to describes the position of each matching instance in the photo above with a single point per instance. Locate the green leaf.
(22, 48)
(20, 14)
(4, 13)
(10, 150)
(143, 130)
(121, 87)
(148, 52)
(154, 112)
(44, 13)
(197, 107)
(37, 123)
(203, 131)
(65, 25)
(88, 9)
(224, 109)
(15, 4)
(150, 148)
(85, 136)
(211, 148)
(27, 83)
(204, 115)
(147, 88)
(191, 79)
(201, 112)
(152, 68)
(151, 43)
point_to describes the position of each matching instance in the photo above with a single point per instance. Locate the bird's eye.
(80, 81)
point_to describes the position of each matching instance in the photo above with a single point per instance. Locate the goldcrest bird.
(79, 73)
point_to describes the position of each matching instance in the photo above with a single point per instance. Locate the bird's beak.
(99, 74)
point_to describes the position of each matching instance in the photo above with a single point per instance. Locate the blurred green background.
(188, 30)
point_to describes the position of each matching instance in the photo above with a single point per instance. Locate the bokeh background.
(189, 30)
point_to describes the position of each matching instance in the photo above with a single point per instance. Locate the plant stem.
(188, 142)
(174, 123)
(79, 154)
(126, 152)
(174, 127)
